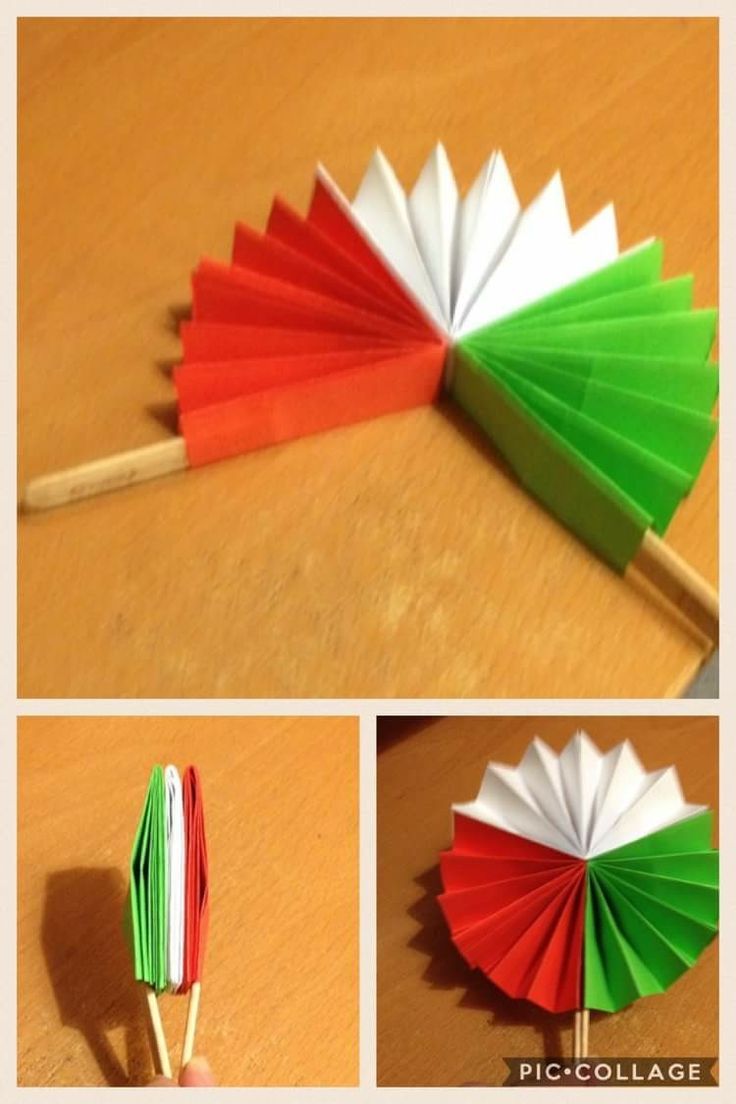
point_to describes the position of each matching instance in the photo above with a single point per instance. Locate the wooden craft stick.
(109, 474)
(158, 1033)
(191, 1028)
(679, 583)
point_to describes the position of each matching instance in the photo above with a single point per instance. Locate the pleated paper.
(580, 880)
(588, 370)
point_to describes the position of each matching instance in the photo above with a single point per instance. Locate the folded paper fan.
(167, 910)
(587, 371)
(580, 881)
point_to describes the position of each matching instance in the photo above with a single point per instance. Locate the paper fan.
(167, 911)
(580, 881)
(588, 372)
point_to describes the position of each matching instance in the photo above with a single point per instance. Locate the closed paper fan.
(167, 911)
(580, 881)
(587, 370)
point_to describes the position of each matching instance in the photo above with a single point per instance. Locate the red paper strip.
(199, 385)
(465, 907)
(311, 406)
(461, 871)
(484, 943)
(204, 341)
(545, 962)
(471, 837)
(197, 900)
(327, 213)
(515, 910)
(268, 256)
(225, 293)
(286, 226)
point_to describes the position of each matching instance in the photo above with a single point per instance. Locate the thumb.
(196, 1074)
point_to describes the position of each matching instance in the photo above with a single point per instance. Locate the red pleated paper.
(515, 910)
(306, 330)
(197, 902)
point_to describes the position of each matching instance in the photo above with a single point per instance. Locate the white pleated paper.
(583, 802)
(471, 262)
(175, 843)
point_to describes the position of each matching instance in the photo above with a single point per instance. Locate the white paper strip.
(433, 209)
(488, 219)
(382, 208)
(175, 843)
(580, 802)
(527, 268)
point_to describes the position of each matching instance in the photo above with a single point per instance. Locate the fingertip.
(196, 1073)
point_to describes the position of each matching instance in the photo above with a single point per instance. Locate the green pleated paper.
(651, 908)
(599, 398)
(147, 923)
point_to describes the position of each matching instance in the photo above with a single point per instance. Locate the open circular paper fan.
(580, 880)
(587, 371)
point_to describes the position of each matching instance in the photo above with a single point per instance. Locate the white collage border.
(367, 710)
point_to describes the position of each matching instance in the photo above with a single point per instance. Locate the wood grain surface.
(394, 558)
(280, 983)
(440, 1023)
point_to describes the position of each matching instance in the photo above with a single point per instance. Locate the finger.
(196, 1073)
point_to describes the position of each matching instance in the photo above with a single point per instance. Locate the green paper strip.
(687, 383)
(699, 902)
(670, 296)
(626, 976)
(689, 835)
(651, 909)
(584, 499)
(658, 961)
(654, 484)
(147, 922)
(688, 937)
(683, 335)
(700, 867)
(676, 436)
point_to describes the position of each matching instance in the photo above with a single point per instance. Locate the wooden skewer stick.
(584, 1030)
(679, 583)
(109, 474)
(162, 1050)
(191, 1028)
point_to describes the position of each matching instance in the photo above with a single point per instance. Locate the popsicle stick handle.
(679, 583)
(164, 1063)
(576, 1036)
(191, 1028)
(109, 474)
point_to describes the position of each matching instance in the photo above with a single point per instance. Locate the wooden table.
(439, 1023)
(281, 809)
(394, 558)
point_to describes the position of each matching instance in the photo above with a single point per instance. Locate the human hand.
(195, 1075)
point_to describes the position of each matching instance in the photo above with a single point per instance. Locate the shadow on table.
(447, 970)
(474, 435)
(390, 730)
(90, 968)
